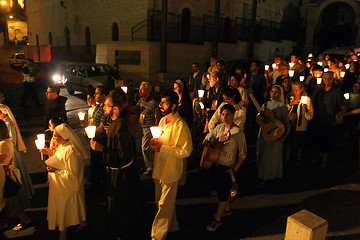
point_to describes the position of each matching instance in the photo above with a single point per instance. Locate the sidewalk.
(339, 205)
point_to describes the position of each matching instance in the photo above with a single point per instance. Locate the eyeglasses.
(48, 92)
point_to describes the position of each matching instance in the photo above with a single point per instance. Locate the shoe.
(213, 225)
(224, 214)
(22, 226)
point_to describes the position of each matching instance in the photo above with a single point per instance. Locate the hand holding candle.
(155, 131)
(304, 99)
(40, 143)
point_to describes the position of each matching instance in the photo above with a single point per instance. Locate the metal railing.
(200, 29)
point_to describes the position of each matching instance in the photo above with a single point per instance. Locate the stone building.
(127, 32)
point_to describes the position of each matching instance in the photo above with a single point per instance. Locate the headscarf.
(281, 99)
(65, 131)
(20, 142)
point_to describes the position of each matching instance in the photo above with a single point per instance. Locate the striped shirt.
(98, 115)
(150, 108)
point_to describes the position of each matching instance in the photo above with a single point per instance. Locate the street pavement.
(332, 193)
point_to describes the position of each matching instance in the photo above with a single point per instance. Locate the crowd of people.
(276, 107)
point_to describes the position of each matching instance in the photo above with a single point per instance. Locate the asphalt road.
(252, 209)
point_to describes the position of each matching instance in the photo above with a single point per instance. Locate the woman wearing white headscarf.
(269, 154)
(66, 203)
(19, 147)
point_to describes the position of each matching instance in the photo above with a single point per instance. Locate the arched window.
(185, 25)
(67, 39)
(115, 32)
(50, 38)
(227, 30)
(87, 41)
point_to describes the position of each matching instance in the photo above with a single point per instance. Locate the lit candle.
(40, 143)
(326, 69)
(319, 63)
(291, 64)
(273, 65)
(347, 66)
(342, 74)
(318, 80)
(201, 93)
(124, 89)
(310, 55)
(90, 131)
(347, 96)
(201, 105)
(41, 136)
(266, 67)
(155, 131)
(301, 78)
(304, 99)
(291, 73)
(81, 116)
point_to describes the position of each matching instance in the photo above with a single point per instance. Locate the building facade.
(127, 32)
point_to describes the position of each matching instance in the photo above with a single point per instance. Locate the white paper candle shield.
(326, 69)
(273, 65)
(40, 143)
(155, 131)
(124, 89)
(342, 74)
(41, 136)
(90, 131)
(291, 73)
(310, 55)
(347, 66)
(319, 63)
(301, 78)
(266, 67)
(347, 96)
(201, 105)
(201, 93)
(304, 99)
(318, 80)
(291, 64)
(81, 116)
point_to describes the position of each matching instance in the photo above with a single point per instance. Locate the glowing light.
(201, 93)
(318, 80)
(291, 73)
(125, 89)
(90, 131)
(266, 67)
(155, 131)
(301, 78)
(304, 99)
(342, 74)
(81, 116)
(273, 65)
(347, 96)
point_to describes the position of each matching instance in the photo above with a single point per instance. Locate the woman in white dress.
(19, 148)
(66, 203)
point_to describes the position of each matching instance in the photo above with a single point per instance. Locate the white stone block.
(305, 225)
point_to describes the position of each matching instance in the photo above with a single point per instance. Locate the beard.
(109, 114)
(166, 112)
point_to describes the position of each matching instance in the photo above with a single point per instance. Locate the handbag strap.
(6, 167)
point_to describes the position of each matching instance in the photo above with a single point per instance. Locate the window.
(128, 57)
(115, 32)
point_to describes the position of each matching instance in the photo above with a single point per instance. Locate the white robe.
(66, 203)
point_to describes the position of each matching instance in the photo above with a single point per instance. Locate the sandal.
(22, 226)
